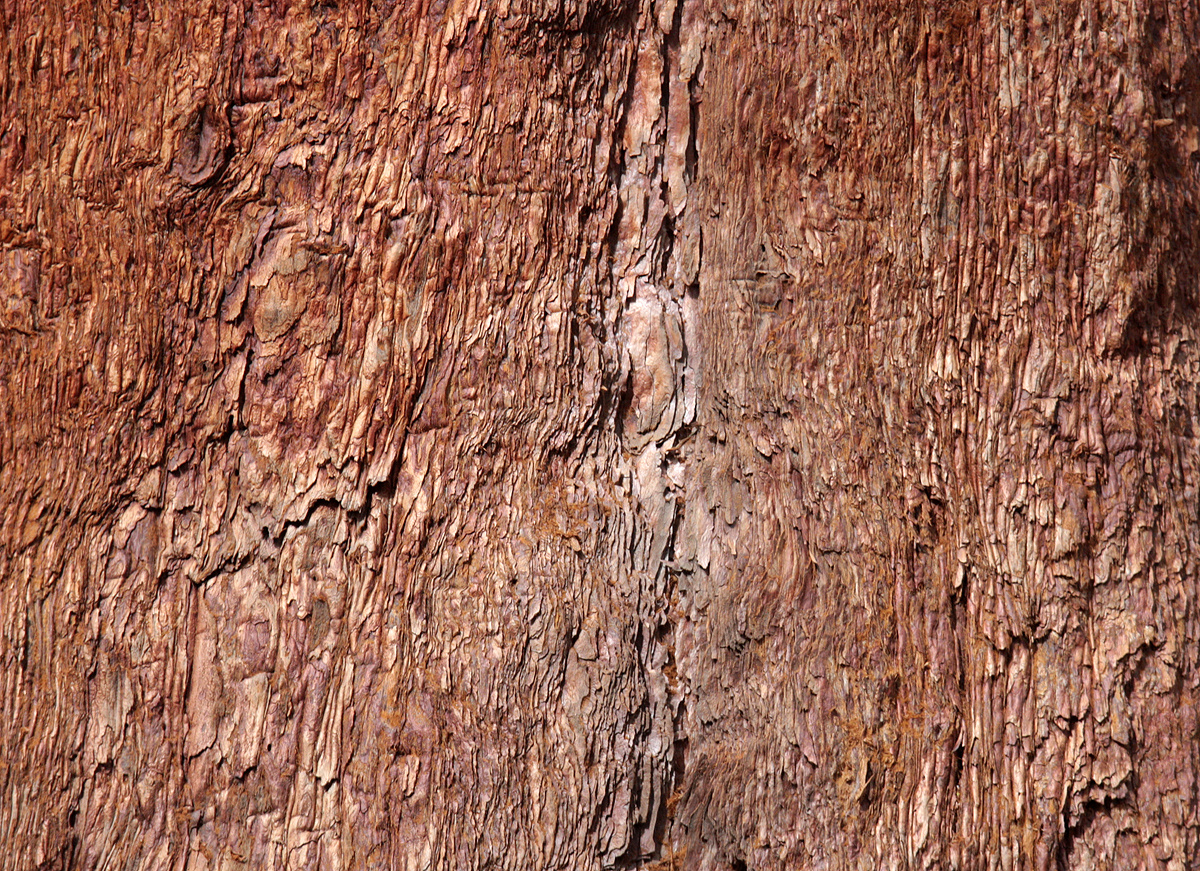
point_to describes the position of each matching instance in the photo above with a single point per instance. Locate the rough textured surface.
(946, 455)
(638, 433)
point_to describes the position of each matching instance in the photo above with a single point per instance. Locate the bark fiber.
(556, 434)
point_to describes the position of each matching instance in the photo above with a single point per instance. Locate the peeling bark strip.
(656, 434)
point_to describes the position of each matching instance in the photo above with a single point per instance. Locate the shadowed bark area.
(640, 433)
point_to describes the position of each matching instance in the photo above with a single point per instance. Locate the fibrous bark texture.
(463, 434)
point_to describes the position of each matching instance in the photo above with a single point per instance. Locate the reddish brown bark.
(584, 435)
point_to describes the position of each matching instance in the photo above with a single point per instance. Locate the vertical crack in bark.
(659, 370)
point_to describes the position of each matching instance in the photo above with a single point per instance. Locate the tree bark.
(600, 433)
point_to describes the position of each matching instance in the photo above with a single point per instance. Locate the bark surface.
(455, 434)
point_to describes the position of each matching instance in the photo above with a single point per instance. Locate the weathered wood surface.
(584, 434)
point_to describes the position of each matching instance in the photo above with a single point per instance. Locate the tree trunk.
(600, 433)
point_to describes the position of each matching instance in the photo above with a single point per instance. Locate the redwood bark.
(633, 433)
